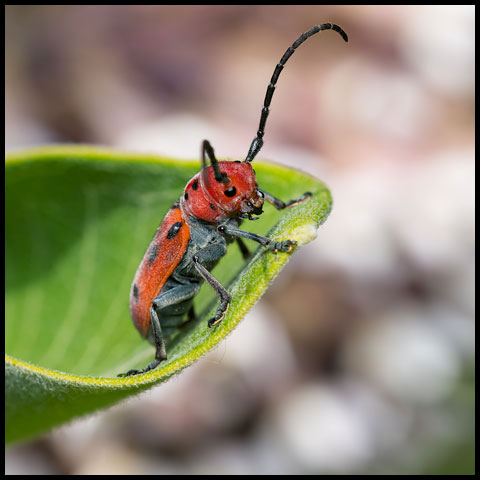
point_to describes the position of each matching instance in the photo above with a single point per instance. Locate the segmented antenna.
(257, 142)
(219, 176)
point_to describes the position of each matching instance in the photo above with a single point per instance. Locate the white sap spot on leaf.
(304, 234)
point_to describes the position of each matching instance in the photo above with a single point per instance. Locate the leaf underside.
(78, 221)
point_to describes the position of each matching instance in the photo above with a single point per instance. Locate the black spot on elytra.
(186, 196)
(195, 184)
(212, 206)
(153, 254)
(174, 229)
(135, 292)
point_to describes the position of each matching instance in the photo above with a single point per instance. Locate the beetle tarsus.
(150, 366)
(222, 309)
(284, 246)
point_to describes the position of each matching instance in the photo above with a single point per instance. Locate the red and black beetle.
(195, 232)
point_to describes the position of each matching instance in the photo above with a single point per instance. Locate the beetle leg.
(243, 249)
(279, 204)
(191, 314)
(218, 287)
(160, 352)
(272, 245)
(170, 297)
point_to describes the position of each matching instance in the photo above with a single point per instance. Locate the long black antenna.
(257, 142)
(219, 176)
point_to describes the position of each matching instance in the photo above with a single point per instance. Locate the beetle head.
(238, 195)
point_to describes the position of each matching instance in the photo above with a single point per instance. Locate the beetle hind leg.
(160, 352)
(171, 301)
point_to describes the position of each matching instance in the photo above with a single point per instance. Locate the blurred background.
(360, 357)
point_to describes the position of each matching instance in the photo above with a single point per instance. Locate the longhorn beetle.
(196, 230)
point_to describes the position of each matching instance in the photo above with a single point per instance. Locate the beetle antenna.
(257, 142)
(208, 149)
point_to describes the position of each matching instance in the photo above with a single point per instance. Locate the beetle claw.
(213, 321)
(129, 373)
(284, 246)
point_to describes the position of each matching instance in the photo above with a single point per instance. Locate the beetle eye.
(230, 192)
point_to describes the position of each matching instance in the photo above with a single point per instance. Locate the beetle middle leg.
(218, 287)
(208, 255)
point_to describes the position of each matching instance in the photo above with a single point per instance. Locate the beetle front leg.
(272, 245)
(279, 204)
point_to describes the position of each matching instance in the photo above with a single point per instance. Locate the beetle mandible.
(195, 232)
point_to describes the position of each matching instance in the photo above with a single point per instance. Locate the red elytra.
(160, 260)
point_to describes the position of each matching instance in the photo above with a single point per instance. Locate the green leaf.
(78, 221)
